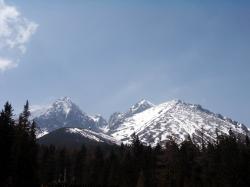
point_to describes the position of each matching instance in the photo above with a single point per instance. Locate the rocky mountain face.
(64, 113)
(152, 123)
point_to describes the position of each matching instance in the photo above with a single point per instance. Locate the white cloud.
(6, 64)
(15, 33)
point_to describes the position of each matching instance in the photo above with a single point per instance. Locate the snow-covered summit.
(64, 113)
(118, 117)
(64, 104)
(175, 119)
(140, 106)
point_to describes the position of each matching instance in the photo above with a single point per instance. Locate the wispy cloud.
(6, 64)
(15, 33)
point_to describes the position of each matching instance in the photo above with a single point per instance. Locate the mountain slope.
(64, 113)
(118, 118)
(75, 137)
(175, 119)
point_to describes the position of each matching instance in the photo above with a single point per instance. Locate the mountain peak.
(65, 113)
(176, 119)
(145, 102)
(141, 106)
(66, 100)
(63, 104)
(193, 106)
(176, 101)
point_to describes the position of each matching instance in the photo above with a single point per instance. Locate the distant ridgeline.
(152, 123)
(99, 161)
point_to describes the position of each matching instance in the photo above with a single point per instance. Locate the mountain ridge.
(176, 119)
(152, 123)
(75, 137)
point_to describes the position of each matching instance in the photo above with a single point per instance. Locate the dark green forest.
(23, 162)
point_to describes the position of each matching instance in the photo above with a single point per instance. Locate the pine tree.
(158, 148)
(25, 149)
(247, 141)
(137, 146)
(24, 122)
(6, 143)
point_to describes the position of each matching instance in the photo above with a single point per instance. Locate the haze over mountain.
(152, 123)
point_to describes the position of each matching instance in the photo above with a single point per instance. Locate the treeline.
(24, 163)
(18, 149)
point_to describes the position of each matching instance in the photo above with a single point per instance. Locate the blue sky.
(107, 55)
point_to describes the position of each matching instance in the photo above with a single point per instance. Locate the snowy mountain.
(175, 119)
(139, 107)
(152, 123)
(75, 137)
(64, 113)
(117, 118)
